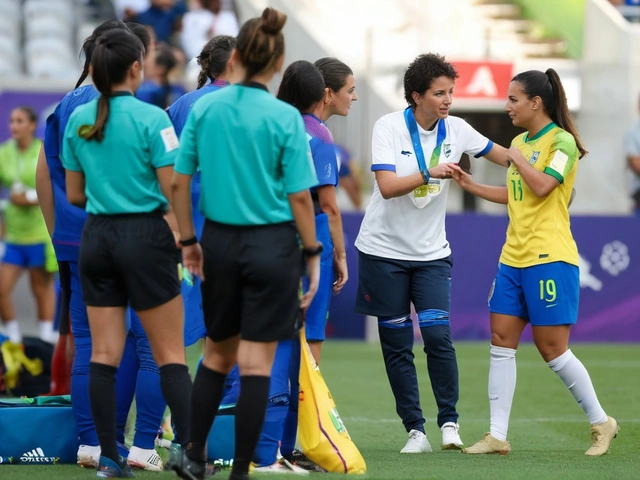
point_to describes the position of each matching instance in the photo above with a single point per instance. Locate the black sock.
(175, 383)
(102, 398)
(205, 400)
(250, 413)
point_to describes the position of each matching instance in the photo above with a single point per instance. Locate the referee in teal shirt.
(256, 171)
(118, 153)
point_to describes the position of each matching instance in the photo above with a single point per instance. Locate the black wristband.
(189, 241)
(313, 251)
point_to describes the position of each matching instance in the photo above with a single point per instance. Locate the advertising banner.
(609, 247)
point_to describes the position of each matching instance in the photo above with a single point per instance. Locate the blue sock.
(290, 429)
(267, 449)
(150, 403)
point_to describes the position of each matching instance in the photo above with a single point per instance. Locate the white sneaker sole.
(145, 466)
(85, 460)
(452, 446)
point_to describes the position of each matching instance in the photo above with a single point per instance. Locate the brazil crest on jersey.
(539, 228)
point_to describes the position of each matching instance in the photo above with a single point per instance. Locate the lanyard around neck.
(412, 125)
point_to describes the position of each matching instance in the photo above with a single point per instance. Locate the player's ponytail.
(261, 42)
(89, 45)
(302, 86)
(548, 87)
(562, 116)
(214, 58)
(113, 55)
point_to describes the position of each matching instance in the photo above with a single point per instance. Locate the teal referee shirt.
(252, 151)
(120, 171)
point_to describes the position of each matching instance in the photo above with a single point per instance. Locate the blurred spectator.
(164, 16)
(347, 178)
(28, 246)
(632, 150)
(158, 88)
(128, 9)
(203, 23)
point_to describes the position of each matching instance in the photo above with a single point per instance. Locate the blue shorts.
(316, 317)
(26, 256)
(545, 295)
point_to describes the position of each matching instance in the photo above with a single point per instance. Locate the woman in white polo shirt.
(403, 253)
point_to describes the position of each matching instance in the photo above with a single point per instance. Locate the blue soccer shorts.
(545, 295)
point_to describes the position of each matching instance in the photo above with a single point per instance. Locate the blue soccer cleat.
(107, 468)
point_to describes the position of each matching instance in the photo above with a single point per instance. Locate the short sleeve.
(68, 155)
(632, 143)
(163, 141)
(383, 156)
(473, 142)
(324, 159)
(562, 156)
(297, 162)
(187, 163)
(52, 142)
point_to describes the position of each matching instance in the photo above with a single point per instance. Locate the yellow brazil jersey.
(539, 228)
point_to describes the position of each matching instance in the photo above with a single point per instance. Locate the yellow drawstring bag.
(323, 437)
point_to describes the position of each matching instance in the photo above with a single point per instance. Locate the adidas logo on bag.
(37, 456)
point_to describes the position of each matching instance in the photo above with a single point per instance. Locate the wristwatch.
(313, 251)
(425, 175)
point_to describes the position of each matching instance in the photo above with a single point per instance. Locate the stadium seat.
(48, 27)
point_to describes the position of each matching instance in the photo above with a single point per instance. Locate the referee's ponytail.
(548, 87)
(114, 55)
(261, 42)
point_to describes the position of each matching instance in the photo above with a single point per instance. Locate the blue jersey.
(323, 151)
(178, 113)
(343, 161)
(69, 219)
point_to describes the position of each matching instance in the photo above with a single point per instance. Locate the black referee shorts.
(252, 281)
(128, 259)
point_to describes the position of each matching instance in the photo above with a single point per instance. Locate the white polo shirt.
(397, 228)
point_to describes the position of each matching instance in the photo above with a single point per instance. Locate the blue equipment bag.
(37, 431)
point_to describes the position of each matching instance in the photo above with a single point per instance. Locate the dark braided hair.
(214, 57)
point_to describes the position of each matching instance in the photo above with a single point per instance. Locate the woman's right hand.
(341, 273)
(313, 273)
(462, 178)
(192, 260)
(444, 170)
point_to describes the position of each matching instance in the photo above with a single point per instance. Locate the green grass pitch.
(549, 432)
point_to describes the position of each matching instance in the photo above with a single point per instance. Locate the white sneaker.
(147, 459)
(281, 466)
(88, 456)
(451, 437)
(417, 443)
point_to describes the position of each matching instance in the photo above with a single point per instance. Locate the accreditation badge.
(424, 193)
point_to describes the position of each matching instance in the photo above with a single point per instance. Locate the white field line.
(486, 420)
(541, 363)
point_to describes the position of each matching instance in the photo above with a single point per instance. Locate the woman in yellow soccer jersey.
(538, 277)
